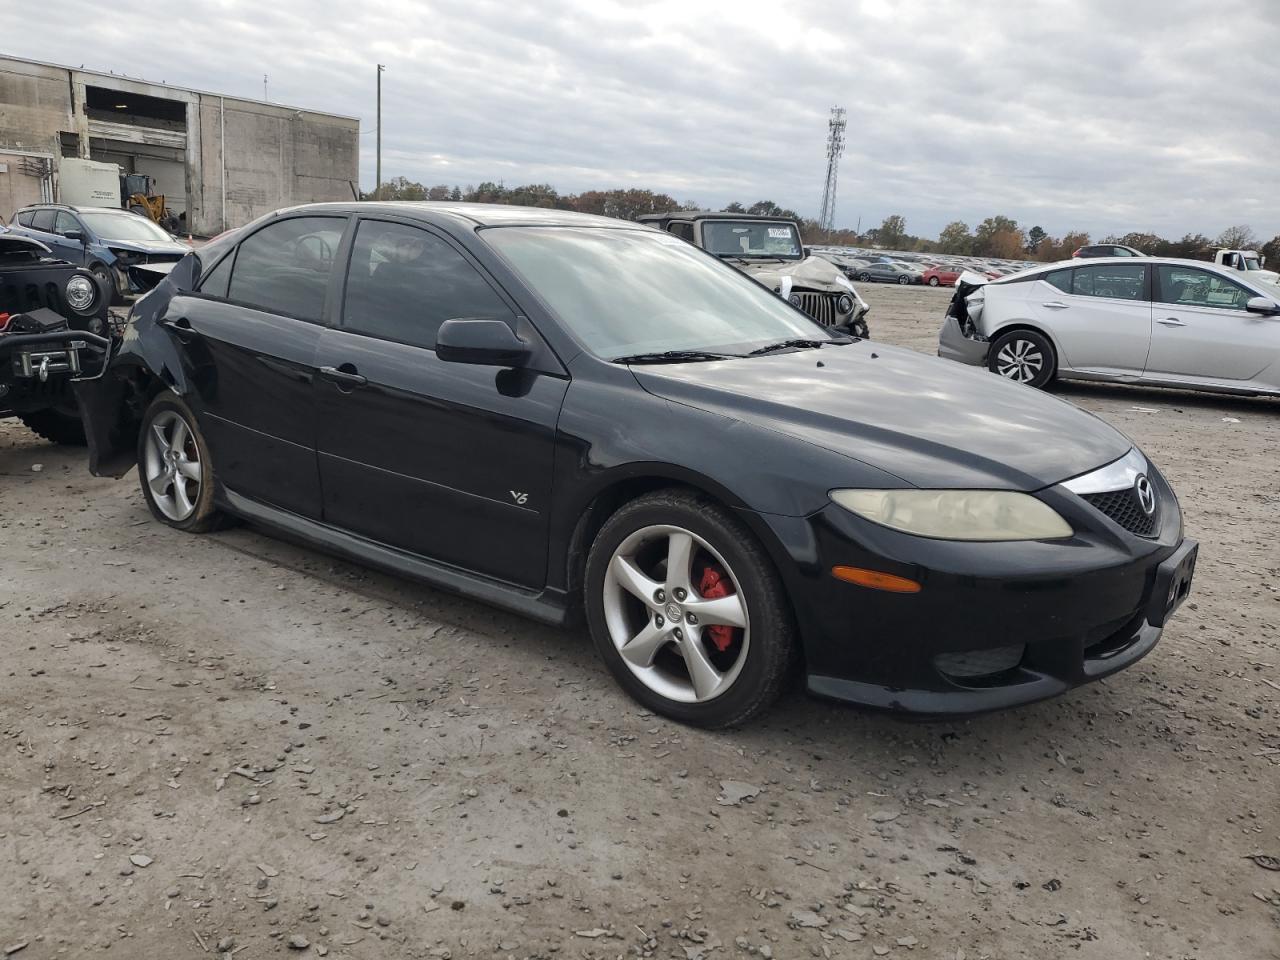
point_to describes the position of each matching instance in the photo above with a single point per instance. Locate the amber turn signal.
(875, 579)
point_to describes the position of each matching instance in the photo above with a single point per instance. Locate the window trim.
(1202, 306)
(1144, 294)
(340, 310)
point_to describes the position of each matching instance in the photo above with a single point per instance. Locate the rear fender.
(146, 360)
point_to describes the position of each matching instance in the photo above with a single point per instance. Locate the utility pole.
(377, 188)
(264, 87)
(835, 147)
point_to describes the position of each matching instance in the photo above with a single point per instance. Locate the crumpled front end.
(817, 287)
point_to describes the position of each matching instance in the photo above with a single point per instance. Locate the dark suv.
(53, 327)
(105, 240)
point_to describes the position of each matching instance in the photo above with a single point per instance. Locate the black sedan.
(565, 415)
(889, 273)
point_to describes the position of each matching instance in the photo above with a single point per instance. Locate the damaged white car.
(1155, 321)
(769, 249)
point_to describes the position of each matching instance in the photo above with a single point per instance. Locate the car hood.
(811, 273)
(927, 421)
(148, 246)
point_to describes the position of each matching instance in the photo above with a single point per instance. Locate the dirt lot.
(229, 742)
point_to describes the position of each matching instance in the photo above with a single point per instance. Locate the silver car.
(1155, 321)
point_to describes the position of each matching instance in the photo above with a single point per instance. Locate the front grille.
(969, 664)
(820, 306)
(1123, 507)
(162, 257)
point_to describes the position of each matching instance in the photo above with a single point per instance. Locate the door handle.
(1054, 305)
(179, 325)
(1171, 322)
(344, 377)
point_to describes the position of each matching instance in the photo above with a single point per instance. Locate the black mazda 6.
(570, 416)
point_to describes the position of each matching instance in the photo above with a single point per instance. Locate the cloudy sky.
(1158, 116)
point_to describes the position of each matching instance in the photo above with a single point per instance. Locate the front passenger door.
(445, 460)
(1202, 329)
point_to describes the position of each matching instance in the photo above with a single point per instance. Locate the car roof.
(707, 215)
(479, 214)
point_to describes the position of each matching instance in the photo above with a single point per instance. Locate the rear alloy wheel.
(687, 611)
(1024, 356)
(904, 280)
(864, 277)
(174, 468)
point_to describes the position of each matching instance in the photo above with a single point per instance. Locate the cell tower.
(835, 147)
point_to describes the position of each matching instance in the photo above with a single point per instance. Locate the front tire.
(56, 426)
(174, 467)
(1023, 356)
(687, 611)
(904, 280)
(933, 281)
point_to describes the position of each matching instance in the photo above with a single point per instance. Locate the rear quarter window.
(1060, 279)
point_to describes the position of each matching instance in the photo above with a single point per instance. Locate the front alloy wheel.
(680, 642)
(687, 611)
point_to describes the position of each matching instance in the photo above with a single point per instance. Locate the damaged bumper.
(954, 345)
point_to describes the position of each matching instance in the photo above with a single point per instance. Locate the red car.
(944, 276)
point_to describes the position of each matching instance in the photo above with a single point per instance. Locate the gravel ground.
(233, 743)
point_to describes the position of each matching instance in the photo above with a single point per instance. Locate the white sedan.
(1154, 321)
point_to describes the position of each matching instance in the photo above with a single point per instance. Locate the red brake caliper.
(713, 585)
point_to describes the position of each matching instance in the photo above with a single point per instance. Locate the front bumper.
(995, 624)
(954, 345)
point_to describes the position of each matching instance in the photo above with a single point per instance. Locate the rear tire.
(653, 558)
(1023, 356)
(55, 426)
(904, 280)
(864, 277)
(174, 467)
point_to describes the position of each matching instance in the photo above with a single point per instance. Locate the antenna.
(835, 148)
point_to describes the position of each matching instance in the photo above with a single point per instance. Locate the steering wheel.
(316, 249)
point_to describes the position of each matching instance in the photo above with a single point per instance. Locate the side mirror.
(807, 251)
(75, 236)
(1263, 305)
(481, 341)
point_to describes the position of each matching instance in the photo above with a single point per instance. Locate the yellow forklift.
(137, 193)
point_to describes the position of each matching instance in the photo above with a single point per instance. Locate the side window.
(217, 280)
(1199, 288)
(64, 223)
(43, 220)
(284, 268)
(24, 218)
(1060, 279)
(405, 282)
(1117, 281)
(682, 230)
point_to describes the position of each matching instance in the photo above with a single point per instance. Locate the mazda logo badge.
(1146, 494)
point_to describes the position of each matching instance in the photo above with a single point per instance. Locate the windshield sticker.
(780, 233)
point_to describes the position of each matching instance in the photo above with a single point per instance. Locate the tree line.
(996, 236)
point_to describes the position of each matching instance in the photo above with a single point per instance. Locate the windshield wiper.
(798, 344)
(676, 356)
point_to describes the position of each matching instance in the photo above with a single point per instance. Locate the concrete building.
(220, 160)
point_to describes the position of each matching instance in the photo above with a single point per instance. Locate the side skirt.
(549, 606)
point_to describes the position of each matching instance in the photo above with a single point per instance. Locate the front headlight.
(80, 294)
(957, 514)
(844, 303)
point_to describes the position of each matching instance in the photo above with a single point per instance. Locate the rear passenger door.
(251, 333)
(1100, 315)
(449, 461)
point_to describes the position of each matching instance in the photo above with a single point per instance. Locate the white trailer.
(88, 183)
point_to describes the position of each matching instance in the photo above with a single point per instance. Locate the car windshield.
(624, 292)
(123, 226)
(751, 238)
